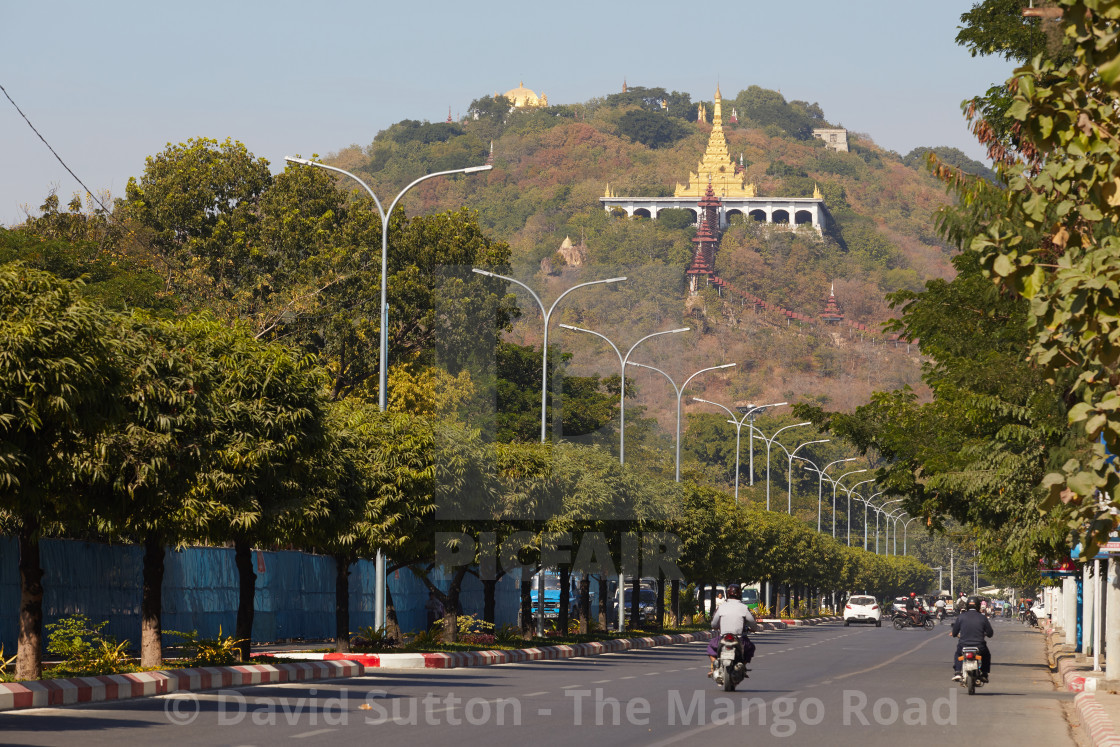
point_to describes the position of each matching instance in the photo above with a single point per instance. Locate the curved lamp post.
(836, 483)
(820, 485)
(789, 489)
(680, 391)
(769, 443)
(749, 416)
(622, 369)
(849, 491)
(891, 518)
(379, 595)
(738, 431)
(547, 314)
(904, 528)
(864, 501)
(882, 511)
(867, 503)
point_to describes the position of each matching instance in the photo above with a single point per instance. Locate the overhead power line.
(53, 152)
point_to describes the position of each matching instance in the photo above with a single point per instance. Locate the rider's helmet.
(974, 603)
(912, 594)
(734, 592)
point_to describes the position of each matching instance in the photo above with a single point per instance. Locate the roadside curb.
(321, 666)
(1095, 720)
(1097, 724)
(490, 658)
(59, 692)
(539, 653)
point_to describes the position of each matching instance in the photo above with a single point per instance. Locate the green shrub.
(85, 649)
(208, 652)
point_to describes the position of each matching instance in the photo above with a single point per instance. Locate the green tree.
(652, 129)
(143, 469)
(268, 423)
(59, 387)
(1063, 191)
(196, 206)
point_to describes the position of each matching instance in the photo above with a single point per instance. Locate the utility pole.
(952, 591)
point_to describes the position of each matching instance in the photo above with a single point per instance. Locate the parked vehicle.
(647, 604)
(863, 609)
(730, 667)
(551, 594)
(971, 677)
(750, 595)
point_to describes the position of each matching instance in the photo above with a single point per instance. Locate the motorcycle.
(970, 669)
(730, 667)
(902, 620)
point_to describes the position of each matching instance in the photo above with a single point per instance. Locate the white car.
(862, 609)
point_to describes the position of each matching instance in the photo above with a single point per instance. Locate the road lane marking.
(628, 677)
(600, 682)
(544, 711)
(315, 733)
(533, 695)
(569, 687)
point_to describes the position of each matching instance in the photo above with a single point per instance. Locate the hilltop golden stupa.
(716, 167)
(523, 97)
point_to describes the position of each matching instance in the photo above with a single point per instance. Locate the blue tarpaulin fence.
(294, 593)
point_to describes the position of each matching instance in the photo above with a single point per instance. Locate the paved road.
(821, 685)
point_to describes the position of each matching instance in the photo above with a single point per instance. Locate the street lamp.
(738, 430)
(789, 490)
(382, 385)
(892, 519)
(622, 368)
(769, 443)
(836, 483)
(849, 491)
(898, 519)
(749, 415)
(547, 315)
(820, 485)
(680, 391)
(904, 528)
(882, 511)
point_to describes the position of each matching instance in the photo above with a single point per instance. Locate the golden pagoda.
(716, 167)
(523, 97)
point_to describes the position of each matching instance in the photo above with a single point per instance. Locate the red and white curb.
(59, 692)
(312, 666)
(489, 658)
(1096, 722)
(1076, 678)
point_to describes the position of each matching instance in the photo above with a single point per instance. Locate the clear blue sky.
(109, 83)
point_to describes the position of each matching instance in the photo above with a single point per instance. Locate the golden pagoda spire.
(716, 166)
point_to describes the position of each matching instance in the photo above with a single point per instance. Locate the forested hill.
(551, 165)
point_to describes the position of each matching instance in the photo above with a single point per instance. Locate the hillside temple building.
(728, 183)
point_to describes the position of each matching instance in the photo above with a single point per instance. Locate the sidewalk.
(312, 666)
(1097, 700)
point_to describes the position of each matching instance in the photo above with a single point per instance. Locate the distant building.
(833, 313)
(523, 97)
(834, 138)
(718, 172)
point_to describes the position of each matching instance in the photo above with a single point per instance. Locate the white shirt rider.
(734, 617)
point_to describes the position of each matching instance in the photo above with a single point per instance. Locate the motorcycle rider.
(939, 608)
(912, 608)
(971, 628)
(732, 617)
